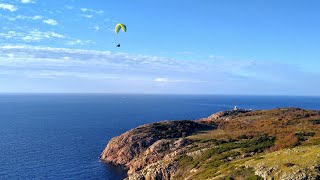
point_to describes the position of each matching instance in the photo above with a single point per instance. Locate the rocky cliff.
(230, 144)
(141, 147)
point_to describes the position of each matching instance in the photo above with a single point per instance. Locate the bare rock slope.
(141, 147)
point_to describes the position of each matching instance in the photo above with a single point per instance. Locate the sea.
(61, 136)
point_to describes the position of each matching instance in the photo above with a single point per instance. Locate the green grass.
(243, 173)
(221, 154)
(315, 121)
(289, 161)
(304, 135)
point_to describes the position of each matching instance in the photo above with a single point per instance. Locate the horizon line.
(169, 94)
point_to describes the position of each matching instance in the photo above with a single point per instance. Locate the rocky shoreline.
(189, 149)
(153, 142)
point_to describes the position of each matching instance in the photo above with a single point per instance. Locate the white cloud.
(27, 1)
(9, 34)
(56, 35)
(87, 15)
(8, 7)
(167, 80)
(21, 17)
(78, 42)
(215, 57)
(69, 7)
(36, 35)
(161, 80)
(51, 22)
(101, 59)
(32, 38)
(91, 11)
(97, 28)
(52, 74)
(151, 69)
(151, 72)
(37, 17)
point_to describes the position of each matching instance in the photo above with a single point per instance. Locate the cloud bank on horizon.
(57, 47)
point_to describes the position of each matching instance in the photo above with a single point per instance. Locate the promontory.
(281, 143)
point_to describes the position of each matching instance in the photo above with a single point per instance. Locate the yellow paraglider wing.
(120, 26)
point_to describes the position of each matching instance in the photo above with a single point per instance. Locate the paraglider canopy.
(120, 26)
(117, 29)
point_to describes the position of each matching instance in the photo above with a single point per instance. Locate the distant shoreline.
(154, 94)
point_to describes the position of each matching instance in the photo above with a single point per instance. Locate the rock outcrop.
(224, 115)
(148, 146)
(234, 144)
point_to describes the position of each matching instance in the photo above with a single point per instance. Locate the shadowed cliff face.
(230, 144)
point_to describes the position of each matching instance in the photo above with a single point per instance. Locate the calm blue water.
(61, 136)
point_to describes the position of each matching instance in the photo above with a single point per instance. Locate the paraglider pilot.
(117, 29)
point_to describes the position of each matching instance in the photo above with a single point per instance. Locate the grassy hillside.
(257, 142)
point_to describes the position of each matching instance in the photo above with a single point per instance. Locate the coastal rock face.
(163, 169)
(147, 145)
(281, 143)
(160, 150)
(224, 115)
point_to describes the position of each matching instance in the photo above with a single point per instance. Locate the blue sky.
(175, 47)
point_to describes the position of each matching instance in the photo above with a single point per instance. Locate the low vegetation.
(305, 160)
(244, 141)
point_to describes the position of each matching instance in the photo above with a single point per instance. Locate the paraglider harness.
(117, 29)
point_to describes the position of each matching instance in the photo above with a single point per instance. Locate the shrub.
(243, 136)
(288, 164)
(315, 121)
(285, 141)
(304, 135)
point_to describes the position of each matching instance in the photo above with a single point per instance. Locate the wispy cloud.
(21, 17)
(185, 53)
(36, 35)
(215, 57)
(51, 22)
(96, 28)
(36, 17)
(8, 7)
(87, 15)
(91, 11)
(9, 34)
(72, 42)
(33, 35)
(18, 27)
(143, 71)
(167, 80)
(102, 60)
(27, 1)
(69, 7)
